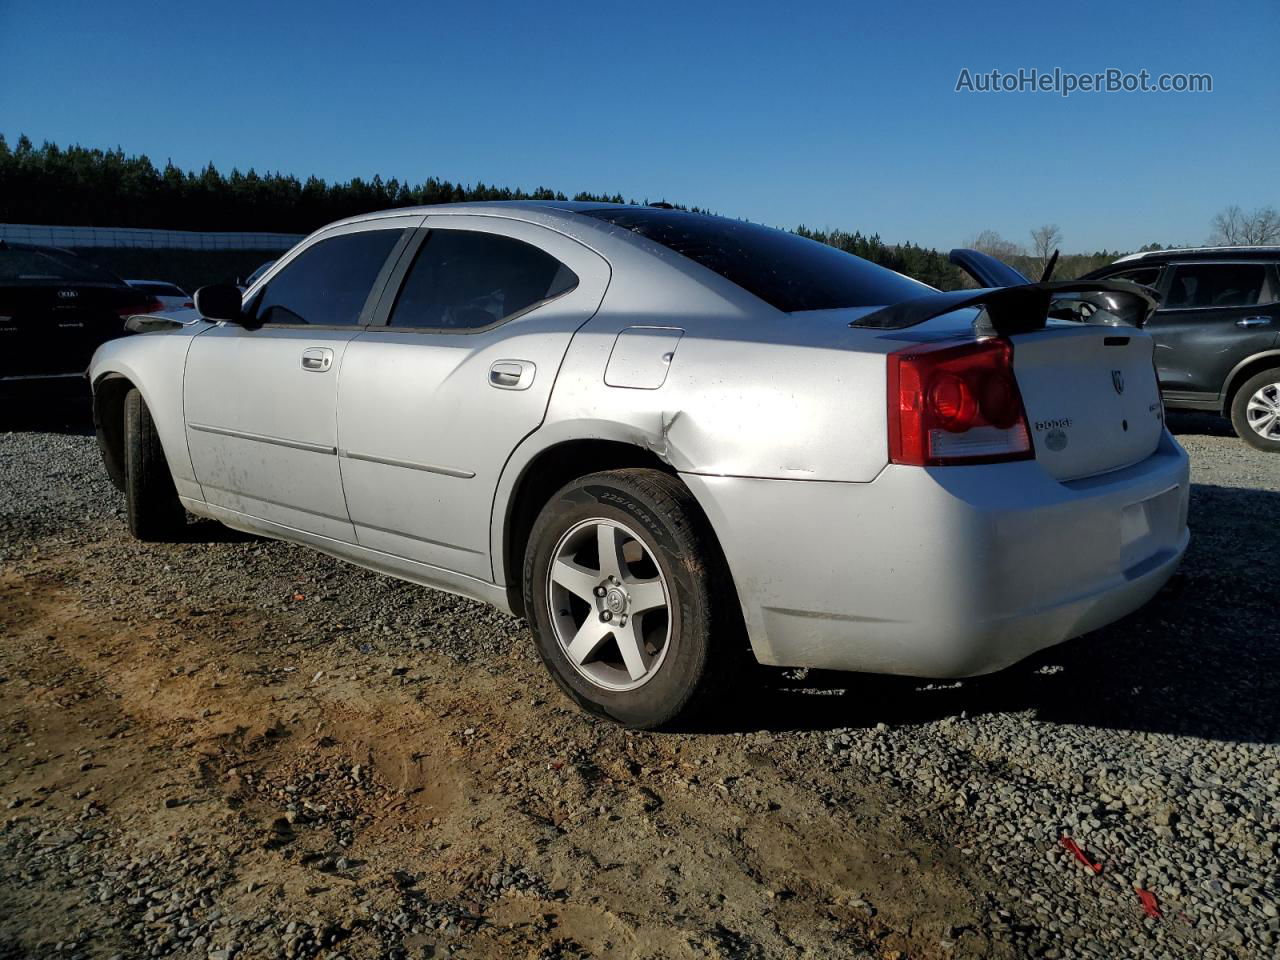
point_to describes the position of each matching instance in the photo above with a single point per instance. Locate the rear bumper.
(945, 572)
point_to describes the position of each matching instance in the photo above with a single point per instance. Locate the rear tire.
(154, 510)
(665, 595)
(1255, 411)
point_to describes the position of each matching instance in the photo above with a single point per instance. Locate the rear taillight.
(956, 403)
(150, 305)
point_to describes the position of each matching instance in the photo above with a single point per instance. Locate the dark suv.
(1217, 331)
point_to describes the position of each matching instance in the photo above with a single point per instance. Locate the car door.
(433, 401)
(260, 400)
(1213, 315)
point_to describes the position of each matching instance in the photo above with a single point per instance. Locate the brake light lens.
(150, 305)
(956, 403)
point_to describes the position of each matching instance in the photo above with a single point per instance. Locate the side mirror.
(219, 301)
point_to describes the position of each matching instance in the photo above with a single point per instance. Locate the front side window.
(253, 277)
(787, 271)
(1216, 285)
(328, 283)
(464, 280)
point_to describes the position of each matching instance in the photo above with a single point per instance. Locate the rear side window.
(328, 283)
(784, 270)
(1216, 285)
(25, 265)
(465, 280)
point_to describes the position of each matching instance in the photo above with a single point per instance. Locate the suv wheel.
(1255, 411)
(623, 586)
(154, 510)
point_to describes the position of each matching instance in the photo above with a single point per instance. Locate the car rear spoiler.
(1021, 309)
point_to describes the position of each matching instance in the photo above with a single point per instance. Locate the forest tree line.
(83, 186)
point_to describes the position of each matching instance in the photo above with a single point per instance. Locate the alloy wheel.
(1263, 411)
(609, 603)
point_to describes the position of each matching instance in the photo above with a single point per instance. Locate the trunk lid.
(55, 328)
(1090, 392)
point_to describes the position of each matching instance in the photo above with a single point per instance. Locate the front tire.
(155, 513)
(1255, 411)
(627, 596)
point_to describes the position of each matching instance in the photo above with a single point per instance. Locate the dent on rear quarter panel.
(154, 363)
(809, 409)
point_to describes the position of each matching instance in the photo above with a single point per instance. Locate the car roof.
(563, 210)
(1265, 252)
(565, 216)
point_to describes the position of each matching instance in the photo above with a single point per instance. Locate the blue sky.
(828, 114)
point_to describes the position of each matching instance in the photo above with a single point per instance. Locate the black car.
(1217, 331)
(56, 308)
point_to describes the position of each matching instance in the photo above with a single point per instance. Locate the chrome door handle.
(511, 374)
(1254, 322)
(317, 359)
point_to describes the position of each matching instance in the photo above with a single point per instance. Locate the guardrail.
(143, 238)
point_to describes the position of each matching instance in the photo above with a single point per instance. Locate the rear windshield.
(27, 265)
(158, 289)
(787, 271)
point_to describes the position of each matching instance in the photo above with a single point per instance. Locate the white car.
(171, 296)
(668, 440)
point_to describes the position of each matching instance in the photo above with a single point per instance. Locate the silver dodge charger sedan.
(670, 441)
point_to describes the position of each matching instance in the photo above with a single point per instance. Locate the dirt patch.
(343, 803)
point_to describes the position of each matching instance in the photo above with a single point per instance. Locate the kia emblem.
(68, 294)
(1117, 380)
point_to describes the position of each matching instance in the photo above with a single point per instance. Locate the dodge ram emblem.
(1117, 381)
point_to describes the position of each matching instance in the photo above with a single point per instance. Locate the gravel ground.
(232, 747)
